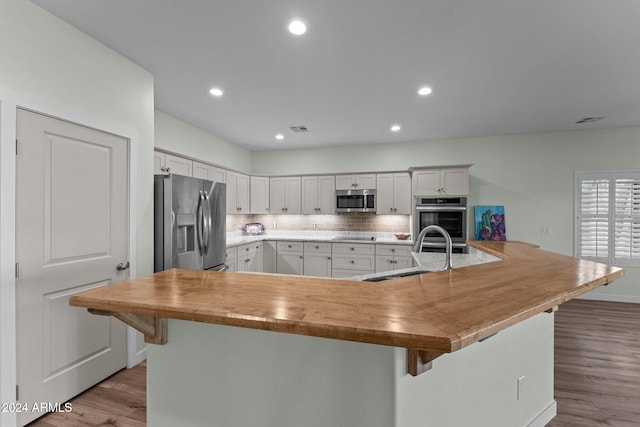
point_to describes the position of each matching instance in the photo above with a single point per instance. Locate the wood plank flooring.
(597, 375)
(597, 364)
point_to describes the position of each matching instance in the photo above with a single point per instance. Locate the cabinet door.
(310, 203)
(365, 181)
(276, 195)
(290, 263)
(317, 264)
(205, 171)
(232, 200)
(401, 193)
(385, 194)
(327, 195)
(259, 195)
(242, 194)
(158, 163)
(178, 165)
(426, 182)
(269, 256)
(345, 182)
(455, 182)
(293, 195)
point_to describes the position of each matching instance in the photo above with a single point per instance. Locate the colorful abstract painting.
(490, 223)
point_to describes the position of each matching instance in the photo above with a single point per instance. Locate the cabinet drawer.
(317, 247)
(248, 248)
(393, 250)
(290, 246)
(354, 262)
(354, 248)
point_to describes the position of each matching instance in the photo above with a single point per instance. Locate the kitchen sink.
(395, 275)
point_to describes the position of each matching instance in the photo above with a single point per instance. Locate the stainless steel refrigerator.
(189, 223)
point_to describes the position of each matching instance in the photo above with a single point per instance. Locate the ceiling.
(495, 66)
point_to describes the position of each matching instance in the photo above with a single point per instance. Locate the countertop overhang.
(438, 312)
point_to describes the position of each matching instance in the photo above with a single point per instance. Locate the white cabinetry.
(167, 163)
(393, 257)
(356, 182)
(452, 181)
(232, 259)
(317, 259)
(250, 257)
(352, 259)
(212, 173)
(237, 193)
(259, 194)
(285, 195)
(318, 194)
(269, 256)
(290, 258)
(394, 193)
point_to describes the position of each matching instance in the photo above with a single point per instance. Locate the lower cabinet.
(250, 257)
(352, 259)
(289, 257)
(232, 258)
(393, 257)
(317, 259)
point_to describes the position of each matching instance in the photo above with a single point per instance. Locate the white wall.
(182, 138)
(49, 66)
(531, 175)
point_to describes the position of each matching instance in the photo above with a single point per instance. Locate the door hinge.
(17, 147)
(17, 270)
(17, 393)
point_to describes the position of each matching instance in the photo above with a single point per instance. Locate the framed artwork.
(490, 223)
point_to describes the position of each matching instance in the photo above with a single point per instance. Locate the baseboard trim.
(610, 297)
(545, 416)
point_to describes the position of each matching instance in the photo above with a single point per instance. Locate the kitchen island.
(238, 349)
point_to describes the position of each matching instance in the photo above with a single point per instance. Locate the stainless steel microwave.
(355, 201)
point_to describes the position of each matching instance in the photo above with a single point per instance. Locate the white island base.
(222, 376)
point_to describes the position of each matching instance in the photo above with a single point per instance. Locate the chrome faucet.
(417, 246)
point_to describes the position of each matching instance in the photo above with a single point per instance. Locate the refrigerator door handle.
(207, 221)
(200, 232)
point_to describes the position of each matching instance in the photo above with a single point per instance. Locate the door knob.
(122, 266)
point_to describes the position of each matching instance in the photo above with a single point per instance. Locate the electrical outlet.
(521, 382)
(545, 230)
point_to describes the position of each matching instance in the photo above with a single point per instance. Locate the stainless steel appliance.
(189, 223)
(449, 213)
(355, 201)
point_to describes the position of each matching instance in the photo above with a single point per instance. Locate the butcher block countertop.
(438, 312)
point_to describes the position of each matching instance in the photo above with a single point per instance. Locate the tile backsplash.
(338, 222)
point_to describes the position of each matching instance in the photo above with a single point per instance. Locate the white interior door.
(72, 229)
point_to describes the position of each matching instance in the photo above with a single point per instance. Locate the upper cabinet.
(166, 163)
(212, 173)
(394, 193)
(356, 182)
(285, 195)
(318, 194)
(259, 194)
(237, 193)
(449, 181)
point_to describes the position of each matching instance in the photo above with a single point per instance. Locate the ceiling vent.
(300, 128)
(589, 119)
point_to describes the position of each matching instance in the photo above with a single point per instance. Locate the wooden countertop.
(436, 312)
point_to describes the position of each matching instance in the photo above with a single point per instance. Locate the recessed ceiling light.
(395, 128)
(216, 91)
(279, 136)
(423, 91)
(297, 27)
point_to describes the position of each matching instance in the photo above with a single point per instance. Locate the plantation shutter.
(608, 217)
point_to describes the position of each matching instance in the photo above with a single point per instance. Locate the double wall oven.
(449, 213)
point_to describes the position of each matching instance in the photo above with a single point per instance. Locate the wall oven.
(449, 213)
(355, 201)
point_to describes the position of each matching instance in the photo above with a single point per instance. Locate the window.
(607, 227)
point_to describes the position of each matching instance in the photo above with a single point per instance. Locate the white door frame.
(9, 102)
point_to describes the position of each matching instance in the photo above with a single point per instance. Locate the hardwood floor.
(118, 401)
(597, 364)
(597, 375)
